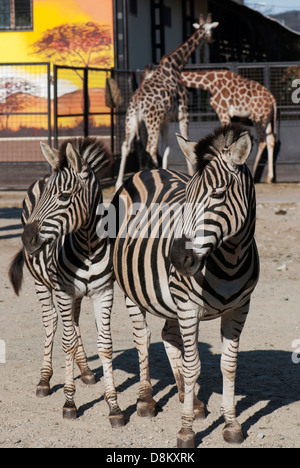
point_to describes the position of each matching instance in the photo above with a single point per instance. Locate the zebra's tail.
(15, 272)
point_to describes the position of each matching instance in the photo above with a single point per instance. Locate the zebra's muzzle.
(183, 257)
(31, 239)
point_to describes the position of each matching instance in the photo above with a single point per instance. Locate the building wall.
(139, 31)
(139, 36)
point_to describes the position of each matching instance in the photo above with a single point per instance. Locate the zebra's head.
(217, 197)
(64, 204)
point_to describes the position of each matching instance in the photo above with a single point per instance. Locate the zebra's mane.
(92, 150)
(209, 147)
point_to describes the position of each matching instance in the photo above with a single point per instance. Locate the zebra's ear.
(240, 149)
(74, 159)
(188, 149)
(51, 155)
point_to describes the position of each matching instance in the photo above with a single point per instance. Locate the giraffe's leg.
(183, 128)
(141, 334)
(130, 133)
(183, 120)
(87, 375)
(124, 153)
(183, 114)
(261, 133)
(270, 146)
(102, 309)
(231, 327)
(261, 147)
(49, 316)
(153, 127)
(173, 345)
(166, 147)
(188, 323)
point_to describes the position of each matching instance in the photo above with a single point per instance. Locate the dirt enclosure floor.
(268, 379)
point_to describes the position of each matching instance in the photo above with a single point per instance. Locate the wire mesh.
(24, 111)
(74, 103)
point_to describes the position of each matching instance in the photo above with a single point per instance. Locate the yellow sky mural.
(47, 14)
(72, 19)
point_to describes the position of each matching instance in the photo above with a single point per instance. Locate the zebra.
(69, 261)
(199, 262)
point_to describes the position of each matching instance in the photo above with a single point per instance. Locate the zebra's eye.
(218, 193)
(64, 196)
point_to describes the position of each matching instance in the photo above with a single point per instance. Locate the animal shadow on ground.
(11, 213)
(261, 376)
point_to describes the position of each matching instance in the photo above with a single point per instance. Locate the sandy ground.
(268, 379)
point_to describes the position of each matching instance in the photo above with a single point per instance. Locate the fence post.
(86, 105)
(49, 102)
(55, 129)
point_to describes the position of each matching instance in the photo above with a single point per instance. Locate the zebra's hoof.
(146, 408)
(199, 409)
(42, 389)
(199, 412)
(69, 411)
(232, 433)
(186, 439)
(88, 378)
(116, 420)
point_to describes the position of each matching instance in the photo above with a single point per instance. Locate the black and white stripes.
(206, 267)
(69, 261)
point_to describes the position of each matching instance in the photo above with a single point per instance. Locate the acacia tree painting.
(76, 44)
(15, 96)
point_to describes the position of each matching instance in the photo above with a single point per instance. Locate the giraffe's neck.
(182, 53)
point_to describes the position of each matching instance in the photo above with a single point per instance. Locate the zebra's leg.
(87, 375)
(49, 316)
(188, 323)
(141, 334)
(102, 309)
(69, 343)
(231, 327)
(173, 345)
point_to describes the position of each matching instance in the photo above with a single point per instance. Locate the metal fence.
(278, 77)
(25, 120)
(36, 105)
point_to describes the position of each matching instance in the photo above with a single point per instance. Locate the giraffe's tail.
(15, 272)
(274, 116)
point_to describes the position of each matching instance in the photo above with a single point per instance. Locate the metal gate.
(25, 120)
(81, 108)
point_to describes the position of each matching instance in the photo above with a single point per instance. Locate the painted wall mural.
(76, 33)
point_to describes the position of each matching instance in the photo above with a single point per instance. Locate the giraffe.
(235, 96)
(161, 98)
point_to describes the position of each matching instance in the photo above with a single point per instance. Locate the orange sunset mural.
(75, 33)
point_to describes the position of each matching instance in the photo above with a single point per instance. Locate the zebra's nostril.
(188, 261)
(32, 241)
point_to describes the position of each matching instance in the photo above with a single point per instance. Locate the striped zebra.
(185, 252)
(69, 261)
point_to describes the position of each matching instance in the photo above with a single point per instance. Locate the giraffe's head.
(207, 25)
